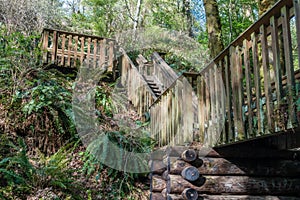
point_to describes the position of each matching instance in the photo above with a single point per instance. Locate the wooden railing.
(138, 90)
(172, 115)
(251, 89)
(71, 49)
(163, 72)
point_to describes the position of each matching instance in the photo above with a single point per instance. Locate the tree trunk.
(213, 25)
(264, 5)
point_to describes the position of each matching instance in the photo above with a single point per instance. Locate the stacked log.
(180, 178)
(214, 177)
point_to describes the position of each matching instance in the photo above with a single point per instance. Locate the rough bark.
(264, 5)
(213, 25)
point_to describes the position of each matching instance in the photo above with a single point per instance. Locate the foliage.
(20, 175)
(112, 186)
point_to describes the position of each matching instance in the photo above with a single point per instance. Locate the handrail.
(163, 72)
(257, 73)
(138, 91)
(69, 49)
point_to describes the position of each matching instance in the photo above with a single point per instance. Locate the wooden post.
(229, 132)
(95, 44)
(248, 87)
(54, 47)
(75, 51)
(288, 55)
(88, 51)
(267, 82)
(69, 50)
(45, 46)
(297, 16)
(63, 44)
(82, 54)
(277, 68)
(111, 57)
(257, 84)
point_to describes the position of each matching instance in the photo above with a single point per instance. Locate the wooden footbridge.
(245, 104)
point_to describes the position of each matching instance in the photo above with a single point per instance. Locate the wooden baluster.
(88, 51)
(54, 47)
(63, 45)
(82, 54)
(201, 107)
(240, 95)
(188, 112)
(229, 132)
(75, 51)
(212, 92)
(69, 50)
(248, 87)
(288, 55)
(218, 121)
(297, 16)
(102, 53)
(257, 83)
(45, 46)
(234, 88)
(267, 82)
(277, 69)
(207, 106)
(95, 53)
(111, 56)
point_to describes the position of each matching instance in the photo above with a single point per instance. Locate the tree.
(213, 24)
(264, 5)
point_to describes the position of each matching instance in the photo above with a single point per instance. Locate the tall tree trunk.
(137, 14)
(213, 25)
(264, 5)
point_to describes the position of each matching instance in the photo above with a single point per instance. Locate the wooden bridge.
(245, 103)
(249, 90)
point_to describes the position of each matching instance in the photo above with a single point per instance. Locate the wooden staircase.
(154, 85)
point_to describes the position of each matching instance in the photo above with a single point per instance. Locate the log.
(174, 197)
(245, 197)
(164, 193)
(189, 155)
(158, 184)
(189, 194)
(257, 167)
(178, 184)
(238, 185)
(250, 185)
(177, 166)
(157, 196)
(157, 166)
(190, 173)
